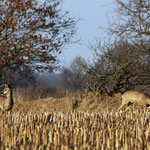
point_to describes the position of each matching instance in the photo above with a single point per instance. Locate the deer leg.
(129, 105)
(0, 115)
(122, 105)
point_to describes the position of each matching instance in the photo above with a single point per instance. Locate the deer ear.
(7, 86)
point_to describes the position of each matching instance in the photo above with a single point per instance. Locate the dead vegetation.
(70, 102)
(76, 130)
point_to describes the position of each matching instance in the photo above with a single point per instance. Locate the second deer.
(134, 97)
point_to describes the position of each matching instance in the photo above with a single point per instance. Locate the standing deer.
(134, 97)
(6, 99)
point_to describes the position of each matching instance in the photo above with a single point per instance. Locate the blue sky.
(93, 15)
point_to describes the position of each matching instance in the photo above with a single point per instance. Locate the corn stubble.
(76, 130)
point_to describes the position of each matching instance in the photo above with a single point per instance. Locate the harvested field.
(76, 130)
(74, 124)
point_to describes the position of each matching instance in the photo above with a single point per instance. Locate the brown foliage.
(31, 32)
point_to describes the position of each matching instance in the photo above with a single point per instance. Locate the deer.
(6, 99)
(134, 97)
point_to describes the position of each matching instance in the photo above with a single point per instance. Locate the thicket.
(122, 62)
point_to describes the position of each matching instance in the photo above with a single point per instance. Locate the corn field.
(76, 130)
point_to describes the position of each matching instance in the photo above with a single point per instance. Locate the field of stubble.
(76, 131)
(57, 124)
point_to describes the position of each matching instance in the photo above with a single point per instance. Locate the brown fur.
(6, 100)
(135, 97)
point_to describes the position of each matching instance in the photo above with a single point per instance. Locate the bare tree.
(73, 78)
(123, 62)
(117, 69)
(132, 22)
